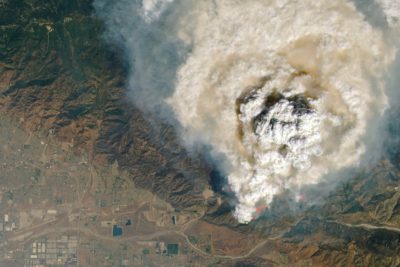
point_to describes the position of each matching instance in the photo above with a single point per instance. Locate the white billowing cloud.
(391, 8)
(283, 89)
(152, 9)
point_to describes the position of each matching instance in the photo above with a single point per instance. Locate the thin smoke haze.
(283, 93)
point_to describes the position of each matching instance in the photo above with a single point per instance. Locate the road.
(145, 237)
(368, 226)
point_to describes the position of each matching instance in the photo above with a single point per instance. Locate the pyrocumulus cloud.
(285, 91)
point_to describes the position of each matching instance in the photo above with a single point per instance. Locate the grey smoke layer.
(152, 52)
(169, 47)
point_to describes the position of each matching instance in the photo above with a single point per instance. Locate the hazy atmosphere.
(279, 107)
(199, 133)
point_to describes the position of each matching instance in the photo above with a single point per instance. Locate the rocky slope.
(57, 76)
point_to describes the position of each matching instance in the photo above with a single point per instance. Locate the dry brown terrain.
(77, 158)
